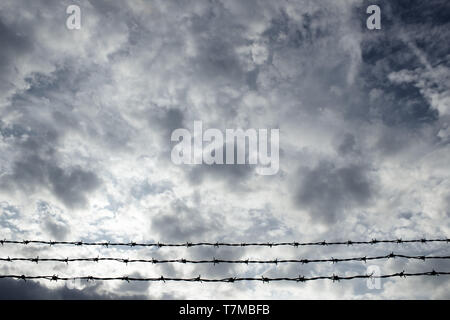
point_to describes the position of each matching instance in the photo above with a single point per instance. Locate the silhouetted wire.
(218, 260)
(300, 278)
(221, 244)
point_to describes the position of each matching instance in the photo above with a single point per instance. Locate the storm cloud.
(86, 118)
(328, 191)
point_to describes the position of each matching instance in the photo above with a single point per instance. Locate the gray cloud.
(71, 186)
(145, 188)
(234, 176)
(58, 230)
(11, 289)
(327, 191)
(14, 45)
(347, 145)
(86, 118)
(183, 222)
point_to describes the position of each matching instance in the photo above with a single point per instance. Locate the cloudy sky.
(86, 118)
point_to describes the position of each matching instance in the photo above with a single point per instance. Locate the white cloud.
(85, 128)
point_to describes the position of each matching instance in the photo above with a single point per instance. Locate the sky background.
(86, 117)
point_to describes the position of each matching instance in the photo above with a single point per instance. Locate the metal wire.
(300, 278)
(221, 244)
(217, 261)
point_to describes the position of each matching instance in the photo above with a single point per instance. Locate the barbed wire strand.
(221, 244)
(218, 260)
(300, 278)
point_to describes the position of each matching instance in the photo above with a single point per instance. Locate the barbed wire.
(218, 260)
(221, 244)
(300, 278)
